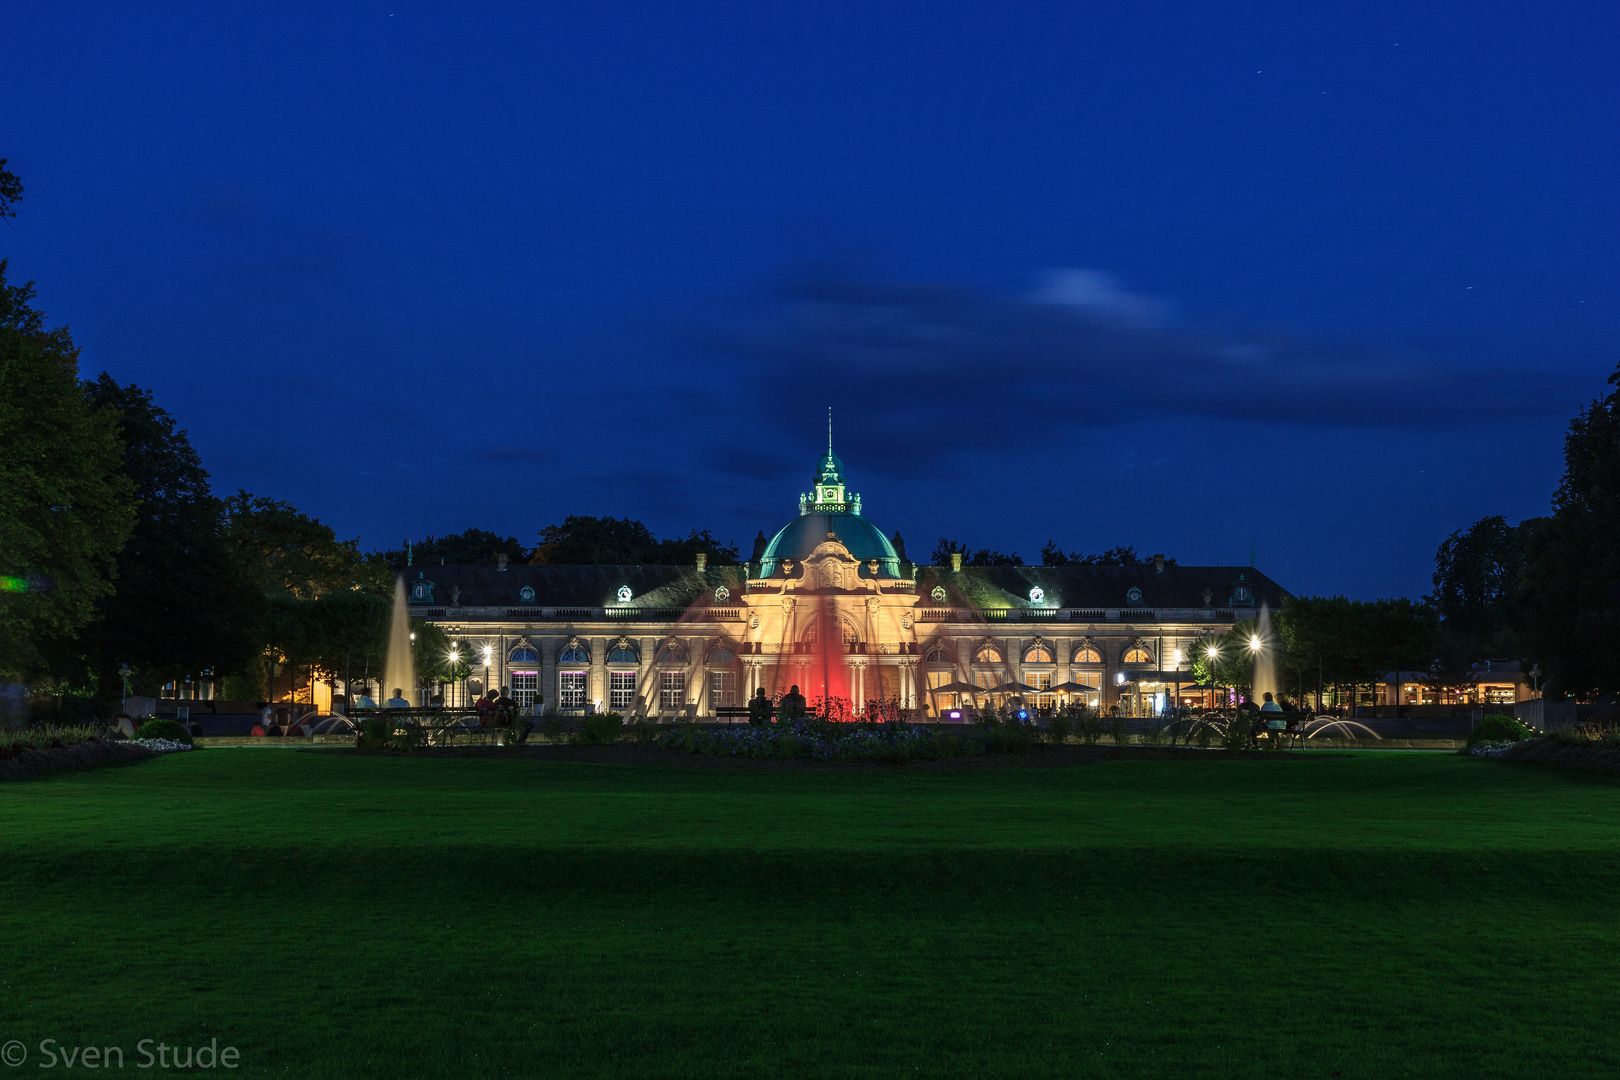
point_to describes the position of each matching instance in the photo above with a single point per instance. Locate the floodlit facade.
(832, 605)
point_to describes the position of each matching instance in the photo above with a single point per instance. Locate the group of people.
(275, 724)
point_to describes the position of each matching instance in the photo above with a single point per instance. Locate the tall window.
(722, 689)
(525, 685)
(937, 679)
(671, 691)
(571, 689)
(621, 690)
(1042, 682)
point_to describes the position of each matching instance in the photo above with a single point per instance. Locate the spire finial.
(829, 429)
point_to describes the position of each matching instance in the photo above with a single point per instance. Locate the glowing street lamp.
(1254, 642)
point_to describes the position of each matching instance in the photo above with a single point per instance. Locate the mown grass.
(1363, 915)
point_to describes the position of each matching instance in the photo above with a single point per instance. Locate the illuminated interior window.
(1087, 655)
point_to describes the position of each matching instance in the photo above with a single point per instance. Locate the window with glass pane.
(671, 691)
(1042, 682)
(525, 685)
(722, 689)
(571, 689)
(621, 690)
(937, 679)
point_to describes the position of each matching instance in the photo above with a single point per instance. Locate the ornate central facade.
(832, 605)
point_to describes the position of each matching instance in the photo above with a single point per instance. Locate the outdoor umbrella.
(1015, 688)
(1073, 688)
(958, 687)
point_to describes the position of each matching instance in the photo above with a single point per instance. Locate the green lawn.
(1365, 915)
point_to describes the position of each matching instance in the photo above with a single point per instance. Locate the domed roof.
(799, 537)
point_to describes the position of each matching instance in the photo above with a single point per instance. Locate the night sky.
(1327, 280)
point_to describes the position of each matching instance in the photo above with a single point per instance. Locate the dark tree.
(1052, 555)
(594, 541)
(65, 508)
(474, 547)
(184, 603)
(1569, 597)
(982, 557)
(287, 551)
(1476, 571)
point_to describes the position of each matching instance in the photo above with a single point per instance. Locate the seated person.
(275, 731)
(126, 727)
(364, 701)
(260, 729)
(397, 701)
(1270, 705)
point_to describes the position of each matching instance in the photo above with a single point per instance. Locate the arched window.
(524, 656)
(673, 652)
(850, 636)
(623, 654)
(809, 635)
(987, 654)
(1085, 654)
(1137, 655)
(574, 654)
(1038, 654)
(939, 655)
(720, 656)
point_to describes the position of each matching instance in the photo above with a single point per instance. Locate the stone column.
(548, 647)
(1063, 652)
(598, 690)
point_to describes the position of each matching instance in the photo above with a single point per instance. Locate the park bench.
(732, 712)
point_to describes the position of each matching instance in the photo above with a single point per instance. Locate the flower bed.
(162, 746)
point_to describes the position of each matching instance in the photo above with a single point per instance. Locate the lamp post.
(1214, 654)
(487, 651)
(123, 673)
(455, 657)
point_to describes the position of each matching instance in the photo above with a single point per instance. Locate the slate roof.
(1097, 586)
(573, 586)
(1092, 587)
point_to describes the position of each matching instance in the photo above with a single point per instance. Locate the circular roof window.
(1134, 596)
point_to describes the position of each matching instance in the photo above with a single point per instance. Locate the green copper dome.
(799, 537)
(830, 508)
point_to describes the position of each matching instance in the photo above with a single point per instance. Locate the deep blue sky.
(1329, 280)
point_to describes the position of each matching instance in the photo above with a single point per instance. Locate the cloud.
(1099, 294)
(928, 369)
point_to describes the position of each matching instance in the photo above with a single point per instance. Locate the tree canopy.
(474, 547)
(65, 506)
(583, 540)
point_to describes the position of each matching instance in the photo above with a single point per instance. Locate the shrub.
(1089, 727)
(374, 732)
(601, 728)
(645, 730)
(1057, 728)
(377, 732)
(1498, 727)
(1238, 731)
(517, 729)
(164, 729)
(1119, 726)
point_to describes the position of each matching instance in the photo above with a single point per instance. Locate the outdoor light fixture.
(1254, 642)
(413, 635)
(1119, 677)
(1213, 653)
(1178, 657)
(955, 714)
